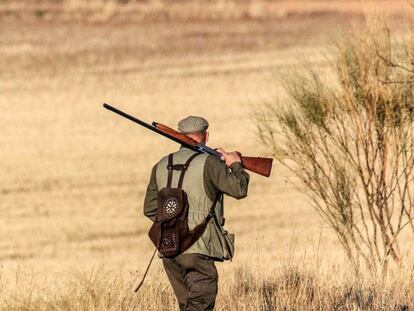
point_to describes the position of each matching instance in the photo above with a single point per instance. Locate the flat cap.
(192, 124)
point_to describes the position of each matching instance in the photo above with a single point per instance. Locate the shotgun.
(261, 166)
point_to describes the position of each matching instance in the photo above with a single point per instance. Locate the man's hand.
(229, 157)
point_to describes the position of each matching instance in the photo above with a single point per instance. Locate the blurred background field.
(74, 175)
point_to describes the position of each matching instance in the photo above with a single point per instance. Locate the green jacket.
(204, 179)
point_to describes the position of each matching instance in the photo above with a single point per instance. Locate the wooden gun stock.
(172, 132)
(261, 166)
(258, 165)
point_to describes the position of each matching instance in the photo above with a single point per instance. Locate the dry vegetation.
(72, 233)
(349, 141)
(288, 288)
(184, 10)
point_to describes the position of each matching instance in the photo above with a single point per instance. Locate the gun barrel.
(148, 126)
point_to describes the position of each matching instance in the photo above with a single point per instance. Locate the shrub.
(350, 143)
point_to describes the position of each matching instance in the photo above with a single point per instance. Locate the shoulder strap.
(184, 169)
(212, 213)
(170, 170)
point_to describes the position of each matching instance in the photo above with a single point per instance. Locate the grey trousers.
(193, 278)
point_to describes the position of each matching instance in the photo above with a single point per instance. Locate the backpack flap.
(170, 204)
(164, 233)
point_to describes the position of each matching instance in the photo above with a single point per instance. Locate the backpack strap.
(170, 170)
(212, 212)
(184, 169)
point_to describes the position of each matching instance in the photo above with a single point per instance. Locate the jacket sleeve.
(233, 181)
(150, 202)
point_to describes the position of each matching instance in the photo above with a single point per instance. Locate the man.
(193, 274)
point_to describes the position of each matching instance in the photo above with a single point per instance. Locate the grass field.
(73, 236)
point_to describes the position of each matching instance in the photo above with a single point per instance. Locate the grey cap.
(192, 124)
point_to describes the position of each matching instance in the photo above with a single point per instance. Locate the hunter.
(193, 274)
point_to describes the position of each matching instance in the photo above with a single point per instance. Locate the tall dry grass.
(291, 287)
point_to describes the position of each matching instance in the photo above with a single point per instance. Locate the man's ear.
(206, 137)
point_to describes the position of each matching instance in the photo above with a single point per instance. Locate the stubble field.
(74, 175)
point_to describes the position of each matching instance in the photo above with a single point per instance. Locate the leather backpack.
(169, 232)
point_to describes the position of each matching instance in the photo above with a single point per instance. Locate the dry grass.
(187, 10)
(287, 288)
(74, 175)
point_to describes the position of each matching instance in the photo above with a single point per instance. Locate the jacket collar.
(182, 148)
